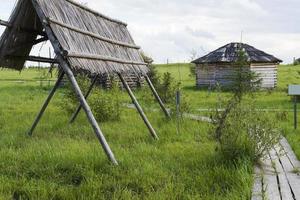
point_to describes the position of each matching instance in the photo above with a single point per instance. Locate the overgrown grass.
(276, 100)
(63, 161)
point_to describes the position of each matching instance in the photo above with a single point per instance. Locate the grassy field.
(63, 161)
(274, 100)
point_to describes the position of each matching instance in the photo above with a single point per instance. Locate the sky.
(170, 30)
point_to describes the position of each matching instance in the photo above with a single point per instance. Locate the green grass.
(63, 161)
(273, 99)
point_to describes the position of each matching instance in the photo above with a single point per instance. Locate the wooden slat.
(284, 143)
(270, 178)
(285, 189)
(104, 58)
(293, 178)
(257, 190)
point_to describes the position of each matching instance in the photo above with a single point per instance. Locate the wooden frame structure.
(105, 46)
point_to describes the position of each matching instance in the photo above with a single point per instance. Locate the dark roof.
(229, 54)
(91, 42)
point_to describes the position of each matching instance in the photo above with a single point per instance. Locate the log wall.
(209, 75)
(267, 73)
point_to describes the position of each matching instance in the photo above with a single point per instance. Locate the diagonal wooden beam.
(75, 114)
(67, 69)
(41, 113)
(138, 107)
(157, 97)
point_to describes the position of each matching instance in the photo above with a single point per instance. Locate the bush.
(105, 104)
(242, 131)
(247, 133)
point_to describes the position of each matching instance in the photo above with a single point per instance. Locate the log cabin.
(217, 67)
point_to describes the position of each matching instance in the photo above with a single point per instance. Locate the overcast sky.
(171, 29)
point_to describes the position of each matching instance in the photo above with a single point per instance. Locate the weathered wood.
(284, 187)
(157, 97)
(138, 107)
(289, 168)
(223, 74)
(290, 153)
(34, 59)
(280, 179)
(104, 58)
(65, 66)
(5, 23)
(270, 178)
(73, 28)
(257, 190)
(75, 114)
(51, 94)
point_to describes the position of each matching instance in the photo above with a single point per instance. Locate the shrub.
(105, 104)
(241, 130)
(247, 133)
(167, 88)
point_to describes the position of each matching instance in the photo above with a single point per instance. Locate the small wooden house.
(218, 66)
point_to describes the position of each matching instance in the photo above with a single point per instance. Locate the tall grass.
(63, 161)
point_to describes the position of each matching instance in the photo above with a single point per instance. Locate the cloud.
(170, 29)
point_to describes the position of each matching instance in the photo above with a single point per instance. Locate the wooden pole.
(295, 113)
(5, 23)
(138, 107)
(89, 113)
(157, 97)
(51, 94)
(65, 66)
(75, 114)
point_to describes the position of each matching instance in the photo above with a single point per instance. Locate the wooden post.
(157, 97)
(88, 112)
(65, 66)
(39, 116)
(75, 114)
(295, 113)
(138, 107)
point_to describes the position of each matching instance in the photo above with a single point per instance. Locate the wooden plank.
(287, 163)
(288, 149)
(270, 180)
(284, 186)
(257, 190)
